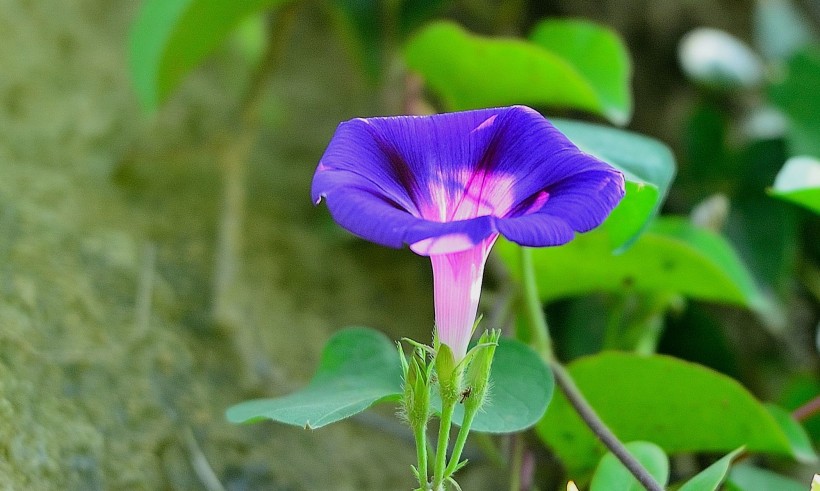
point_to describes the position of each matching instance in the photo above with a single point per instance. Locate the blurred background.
(133, 312)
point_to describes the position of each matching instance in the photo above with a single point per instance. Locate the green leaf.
(709, 479)
(611, 475)
(476, 71)
(598, 54)
(171, 37)
(648, 165)
(749, 478)
(521, 388)
(672, 256)
(359, 367)
(680, 406)
(799, 182)
(797, 435)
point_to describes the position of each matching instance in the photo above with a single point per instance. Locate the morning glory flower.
(448, 185)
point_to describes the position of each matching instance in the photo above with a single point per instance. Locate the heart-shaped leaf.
(476, 71)
(680, 406)
(359, 367)
(611, 475)
(671, 256)
(598, 54)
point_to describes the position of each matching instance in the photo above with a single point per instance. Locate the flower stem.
(461, 440)
(420, 433)
(539, 331)
(542, 343)
(448, 405)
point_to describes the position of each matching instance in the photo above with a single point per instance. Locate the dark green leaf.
(710, 478)
(749, 478)
(611, 475)
(521, 387)
(359, 367)
(671, 256)
(171, 37)
(475, 71)
(680, 406)
(598, 54)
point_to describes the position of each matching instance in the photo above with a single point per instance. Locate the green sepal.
(448, 373)
(477, 378)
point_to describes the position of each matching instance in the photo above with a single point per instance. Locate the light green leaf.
(749, 478)
(476, 71)
(680, 406)
(709, 479)
(598, 54)
(672, 256)
(171, 37)
(359, 367)
(521, 387)
(797, 435)
(611, 475)
(648, 165)
(799, 182)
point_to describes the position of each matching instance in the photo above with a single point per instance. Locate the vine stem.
(543, 344)
(461, 440)
(447, 409)
(420, 432)
(807, 410)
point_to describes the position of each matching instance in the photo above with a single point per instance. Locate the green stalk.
(420, 433)
(539, 331)
(461, 440)
(448, 406)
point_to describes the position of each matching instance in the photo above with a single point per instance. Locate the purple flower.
(447, 185)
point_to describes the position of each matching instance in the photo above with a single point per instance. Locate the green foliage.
(680, 406)
(710, 478)
(672, 256)
(799, 182)
(172, 37)
(476, 71)
(598, 54)
(749, 478)
(611, 475)
(358, 368)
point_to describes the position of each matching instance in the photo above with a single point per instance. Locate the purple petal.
(444, 183)
(579, 203)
